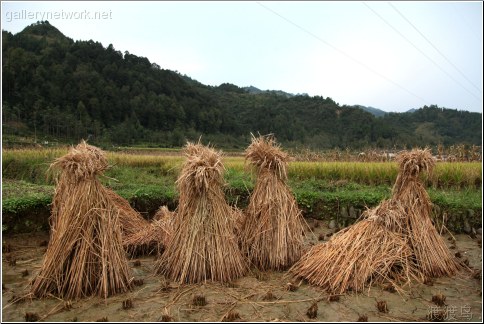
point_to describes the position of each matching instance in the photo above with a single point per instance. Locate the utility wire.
(428, 41)
(469, 28)
(421, 52)
(344, 53)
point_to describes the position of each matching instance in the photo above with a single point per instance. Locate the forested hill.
(59, 89)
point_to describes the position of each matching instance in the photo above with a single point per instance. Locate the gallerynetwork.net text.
(55, 15)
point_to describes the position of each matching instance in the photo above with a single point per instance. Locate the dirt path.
(259, 296)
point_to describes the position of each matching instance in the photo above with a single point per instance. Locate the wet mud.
(258, 296)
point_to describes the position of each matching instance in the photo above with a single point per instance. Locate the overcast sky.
(389, 55)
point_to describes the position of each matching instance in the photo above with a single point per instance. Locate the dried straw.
(83, 162)
(163, 213)
(395, 241)
(367, 252)
(266, 155)
(272, 235)
(432, 256)
(203, 245)
(154, 237)
(131, 221)
(85, 254)
(239, 220)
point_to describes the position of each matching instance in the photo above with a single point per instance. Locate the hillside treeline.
(62, 90)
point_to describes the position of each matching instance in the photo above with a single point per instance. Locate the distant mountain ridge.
(374, 111)
(254, 90)
(55, 88)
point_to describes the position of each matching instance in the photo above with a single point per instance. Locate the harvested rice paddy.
(157, 299)
(257, 295)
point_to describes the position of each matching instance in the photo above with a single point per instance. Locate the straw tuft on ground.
(163, 213)
(272, 234)
(85, 255)
(152, 238)
(394, 242)
(203, 245)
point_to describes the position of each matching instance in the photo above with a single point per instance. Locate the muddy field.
(259, 296)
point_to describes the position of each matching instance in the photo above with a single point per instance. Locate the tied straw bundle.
(432, 256)
(367, 252)
(395, 241)
(272, 235)
(85, 255)
(133, 225)
(203, 245)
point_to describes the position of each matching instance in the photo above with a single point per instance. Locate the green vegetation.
(148, 181)
(33, 164)
(457, 199)
(19, 196)
(58, 90)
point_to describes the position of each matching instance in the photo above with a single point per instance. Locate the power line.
(344, 53)
(421, 52)
(428, 41)
(469, 28)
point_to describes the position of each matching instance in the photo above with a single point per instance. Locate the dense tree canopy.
(57, 88)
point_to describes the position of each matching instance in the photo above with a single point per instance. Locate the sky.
(393, 56)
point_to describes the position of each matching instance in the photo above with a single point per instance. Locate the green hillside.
(57, 89)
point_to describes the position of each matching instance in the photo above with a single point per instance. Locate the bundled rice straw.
(85, 255)
(154, 237)
(432, 256)
(364, 253)
(395, 241)
(272, 235)
(131, 221)
(203, 245)
(81, 163)
(133, 225)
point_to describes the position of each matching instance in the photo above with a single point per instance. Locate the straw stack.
(203, 245)
(369, 251)
(272, 236)
(395, 241)
(85, 255)
(432, 256)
